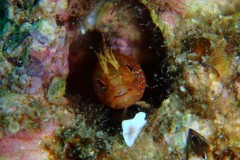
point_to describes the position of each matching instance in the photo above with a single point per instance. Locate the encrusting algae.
(220, 62)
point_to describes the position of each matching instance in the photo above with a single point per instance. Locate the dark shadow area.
(159, 80)
(82, 60)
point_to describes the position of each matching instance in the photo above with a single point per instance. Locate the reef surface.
(188, 50)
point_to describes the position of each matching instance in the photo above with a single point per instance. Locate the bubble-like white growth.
(132, 128)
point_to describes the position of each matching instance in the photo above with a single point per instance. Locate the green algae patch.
(83, 141)
(56, 89)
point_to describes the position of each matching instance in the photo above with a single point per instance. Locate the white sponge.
(132, 128)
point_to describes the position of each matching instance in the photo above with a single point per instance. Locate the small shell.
(197, 144)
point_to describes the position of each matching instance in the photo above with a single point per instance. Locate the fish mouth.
(122, 92)
(125, 99)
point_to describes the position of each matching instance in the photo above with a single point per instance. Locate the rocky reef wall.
(187, 49)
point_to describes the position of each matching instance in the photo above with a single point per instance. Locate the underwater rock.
(197, 40)
(26, 145)
(203, 80)
(35, 68)
(168, 11)
(15, 48)
(237, 88)
(221, 64)
(34, 86)
(27, 124)
(32, 52)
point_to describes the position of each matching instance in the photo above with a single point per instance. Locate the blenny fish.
(118, 80)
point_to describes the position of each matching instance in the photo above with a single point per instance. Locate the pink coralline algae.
(52, 60)
(122, 45)
(24, 145)
(36, 50)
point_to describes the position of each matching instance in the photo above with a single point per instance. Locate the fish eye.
(129, 67)
(101, 85)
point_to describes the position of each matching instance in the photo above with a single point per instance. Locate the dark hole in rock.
(83, 58)
(159, 80)
(18, 4)
(3, 11)
(35, 2)
(16, 61)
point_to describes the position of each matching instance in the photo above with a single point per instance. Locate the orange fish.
(118, 79)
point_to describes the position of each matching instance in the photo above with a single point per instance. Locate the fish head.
(121, 83)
